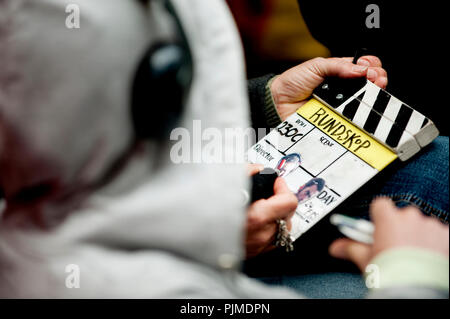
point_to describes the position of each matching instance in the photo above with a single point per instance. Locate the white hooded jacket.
(159, 229)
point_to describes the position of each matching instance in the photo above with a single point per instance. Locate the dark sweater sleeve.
(262, 109)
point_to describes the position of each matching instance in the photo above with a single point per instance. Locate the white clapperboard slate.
(348, 132)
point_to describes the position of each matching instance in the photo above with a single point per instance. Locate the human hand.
(262, 215)
(291, 89)
(394, 228)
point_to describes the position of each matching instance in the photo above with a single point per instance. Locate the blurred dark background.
(411, 42)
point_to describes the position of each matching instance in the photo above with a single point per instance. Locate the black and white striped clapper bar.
(387, 119)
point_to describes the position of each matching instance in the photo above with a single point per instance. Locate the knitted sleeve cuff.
(272, 117)
(411, 267)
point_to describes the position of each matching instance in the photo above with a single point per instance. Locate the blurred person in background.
(278, 34)
(274, 34)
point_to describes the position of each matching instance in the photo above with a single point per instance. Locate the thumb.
(360, 254)
(280, 187)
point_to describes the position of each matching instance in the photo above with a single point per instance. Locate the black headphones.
(161, 84)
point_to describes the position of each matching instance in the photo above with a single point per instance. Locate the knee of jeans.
(435, 153)
(430, 168)
(439, 148)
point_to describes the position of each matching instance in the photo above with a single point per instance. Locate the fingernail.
(359, 68)
(371, 73)
(363, 62)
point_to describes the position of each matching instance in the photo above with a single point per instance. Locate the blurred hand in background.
(395, 228)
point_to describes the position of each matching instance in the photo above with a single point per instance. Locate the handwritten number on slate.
(287, 129)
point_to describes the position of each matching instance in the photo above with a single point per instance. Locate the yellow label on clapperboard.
(347, 134)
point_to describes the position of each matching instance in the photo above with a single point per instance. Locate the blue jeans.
(421, 181)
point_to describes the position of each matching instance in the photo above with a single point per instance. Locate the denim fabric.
(323, 286)
(421, 181)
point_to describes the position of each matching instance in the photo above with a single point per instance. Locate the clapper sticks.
(344, 135)
(387, 119)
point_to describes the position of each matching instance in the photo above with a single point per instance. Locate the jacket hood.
(64, 116)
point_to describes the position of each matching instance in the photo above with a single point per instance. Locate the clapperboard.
(343, 136)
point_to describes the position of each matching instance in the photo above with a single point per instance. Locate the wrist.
(274, 86)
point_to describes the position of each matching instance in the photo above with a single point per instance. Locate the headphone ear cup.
(159, 89)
